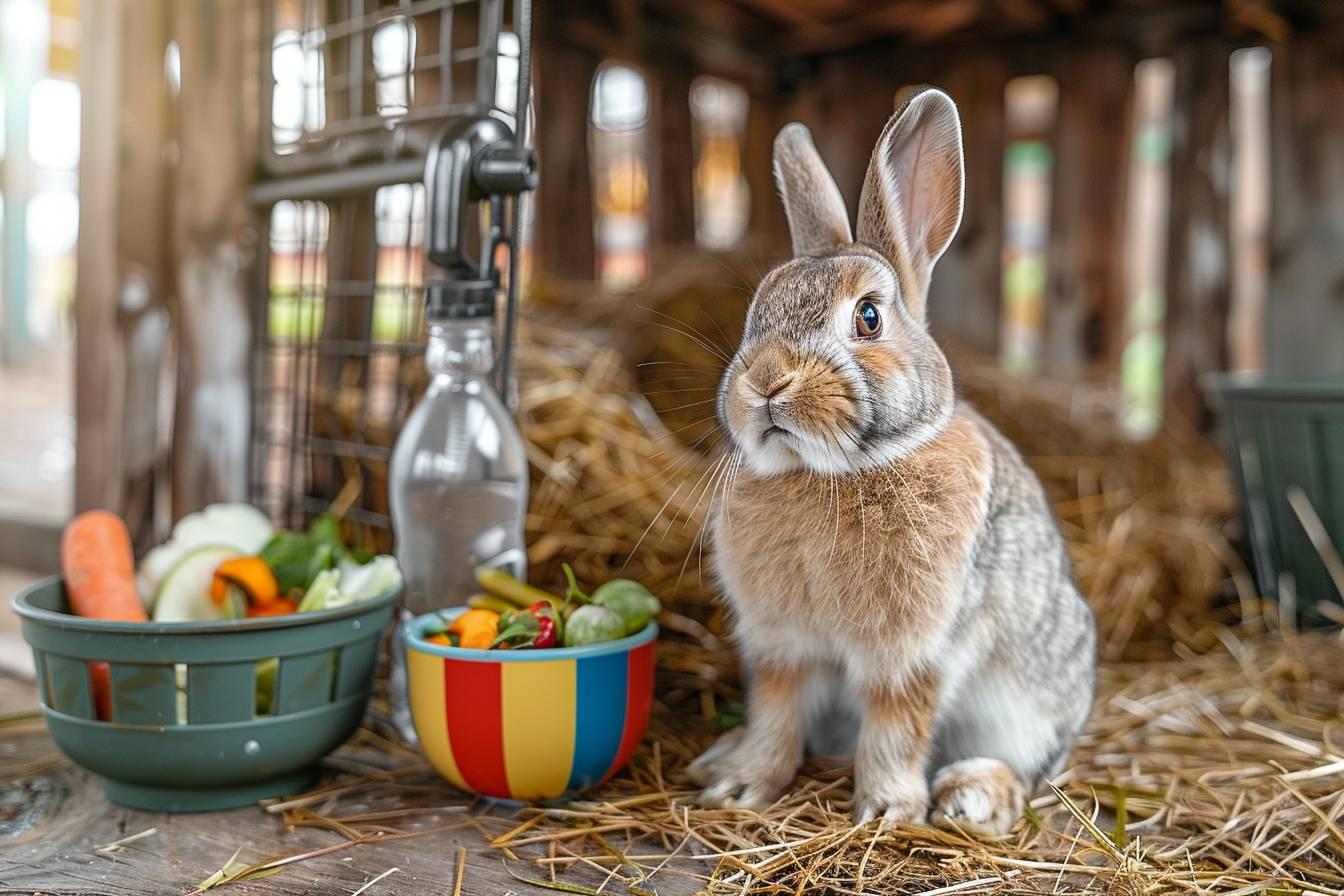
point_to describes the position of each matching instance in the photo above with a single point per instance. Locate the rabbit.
(898, 586)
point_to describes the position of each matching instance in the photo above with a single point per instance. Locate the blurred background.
(214, 228)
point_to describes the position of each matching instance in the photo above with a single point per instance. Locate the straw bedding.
(1211, 763)
(1208, 765)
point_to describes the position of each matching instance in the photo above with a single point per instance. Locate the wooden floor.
(54, 817)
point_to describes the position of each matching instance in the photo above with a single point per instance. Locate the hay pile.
(1211, 768)
(1212, 774)
(617, 436)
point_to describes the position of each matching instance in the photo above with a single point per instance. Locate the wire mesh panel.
(359, 79)
(353, 92)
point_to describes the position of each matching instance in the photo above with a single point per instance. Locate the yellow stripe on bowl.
(425, 678)
(538, 697)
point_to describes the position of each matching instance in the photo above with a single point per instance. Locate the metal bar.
(522, 23)
(491, 20)
(334, 184)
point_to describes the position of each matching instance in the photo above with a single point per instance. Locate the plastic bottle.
(457, 483)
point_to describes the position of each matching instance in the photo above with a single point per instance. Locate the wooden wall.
(845, 98)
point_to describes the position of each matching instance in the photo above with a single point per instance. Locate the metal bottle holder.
(473, 161)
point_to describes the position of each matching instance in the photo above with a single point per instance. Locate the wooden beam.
(671, 150)
(1197, 260)
(212, 227)
(764, 119)
(1304, 323)
(964, 292)
(123, 233)
(917, 20)
(564, 225)
(783, 10)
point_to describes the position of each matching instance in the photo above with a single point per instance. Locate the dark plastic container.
(187, 732)
(1281, 434)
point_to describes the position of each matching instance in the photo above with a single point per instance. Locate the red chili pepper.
(545, 632)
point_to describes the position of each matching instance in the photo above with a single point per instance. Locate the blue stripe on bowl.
(601, 717)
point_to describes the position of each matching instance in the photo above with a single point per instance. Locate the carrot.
(281, 606)
(100, 583)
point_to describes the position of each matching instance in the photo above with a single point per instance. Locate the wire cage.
(352, 92)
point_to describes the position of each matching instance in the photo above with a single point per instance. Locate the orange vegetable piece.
(440, 639)
(476, 628)
(253, 576)
(99, 570)
(281, 606)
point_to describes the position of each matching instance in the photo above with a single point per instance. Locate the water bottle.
(457, 482)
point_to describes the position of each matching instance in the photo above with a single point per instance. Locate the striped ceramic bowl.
(529, 724)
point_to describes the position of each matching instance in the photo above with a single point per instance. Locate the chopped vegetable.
(626, 598)
(476, 628)
(184, 594)
(592, 624)
(517, 628)
(245, 578)
(629, 600)
(550, 627)
(368, 580)
(324, 593)
(281, 606)
(490, 602)
(99, 572)
(520, 594)
(241, 527)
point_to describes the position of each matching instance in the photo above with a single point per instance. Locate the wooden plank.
(564, 225)
(1197, 260)
(1304, 321)
(1085, 284)
(671, 152)
(123, 194)
(764, 119)
(964, 292)
(212, 223)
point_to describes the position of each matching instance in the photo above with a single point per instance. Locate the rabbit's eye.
(867, 320)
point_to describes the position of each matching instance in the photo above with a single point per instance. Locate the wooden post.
(1085, 286)
(767, 223)
(564, 227)
(123, 234)
(671, 152)
(1304, 320)
(213, 235)
(1197, 260)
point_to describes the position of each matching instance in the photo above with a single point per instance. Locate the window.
(1249, 200)
(1147, 204)
(619, 112)
(722, 196)
(1029, 108)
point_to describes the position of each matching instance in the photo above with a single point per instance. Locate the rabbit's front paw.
(896, 798)
(736, 777)
(707, 766)
(982, 796)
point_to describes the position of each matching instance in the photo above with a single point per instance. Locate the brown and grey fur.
(899, 586)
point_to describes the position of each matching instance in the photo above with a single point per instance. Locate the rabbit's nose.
(770, 372)
(778, 386)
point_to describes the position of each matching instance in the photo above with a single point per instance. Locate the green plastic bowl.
(186, 732)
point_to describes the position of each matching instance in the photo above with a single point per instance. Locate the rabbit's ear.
(818, 220)
(912, 197)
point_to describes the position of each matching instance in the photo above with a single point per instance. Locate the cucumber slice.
(184, 595)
